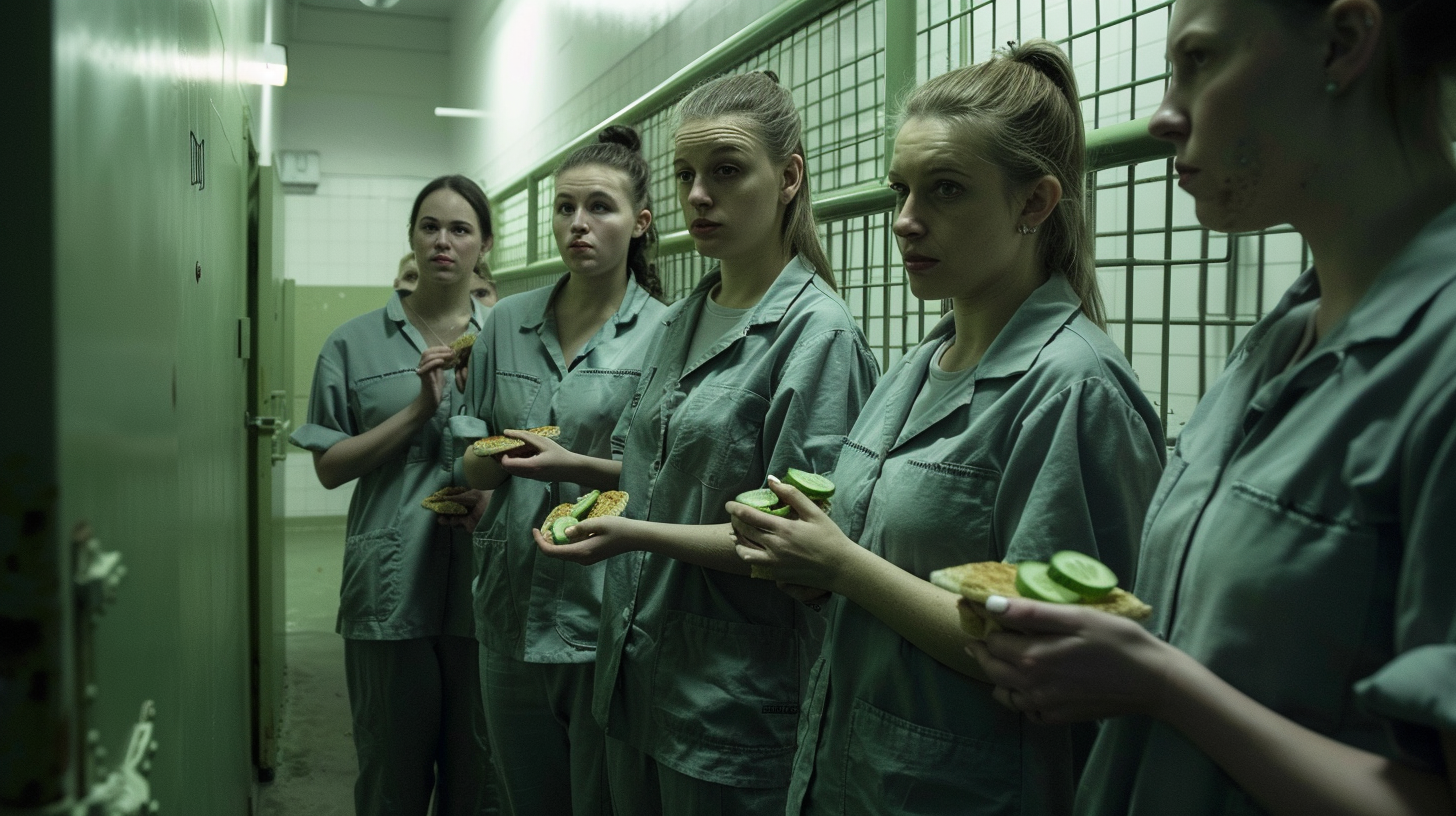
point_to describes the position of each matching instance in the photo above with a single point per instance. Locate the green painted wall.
(318, 310)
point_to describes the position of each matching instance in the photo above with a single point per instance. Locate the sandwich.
(493, 445)
(593, 505)
(460, 346)
(979, 581)
(439, 501)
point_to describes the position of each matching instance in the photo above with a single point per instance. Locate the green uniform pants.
(643, 787)
(418, 728)
(541, 730)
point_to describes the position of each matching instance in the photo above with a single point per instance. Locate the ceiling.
(416, 8)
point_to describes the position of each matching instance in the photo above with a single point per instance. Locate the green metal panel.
(37, 736)
(150, 382)
(318, 310)
(269, 404)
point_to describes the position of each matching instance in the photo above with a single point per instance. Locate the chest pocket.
(590, 402)
(929, 515)
(1287, 607)
(715, 435)
(380, 397)
(515, 396)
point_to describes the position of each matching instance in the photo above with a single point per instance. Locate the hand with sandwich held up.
(802, 550)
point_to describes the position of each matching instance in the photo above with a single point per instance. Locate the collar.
(771, 308)
(632, 302)
(1425, 267)
(1035, 323)
(395, 311)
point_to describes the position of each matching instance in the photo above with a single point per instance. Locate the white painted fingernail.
(996, 604)
(772, 478)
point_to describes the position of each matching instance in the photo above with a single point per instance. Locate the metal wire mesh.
(1178, 296)
(510, 232)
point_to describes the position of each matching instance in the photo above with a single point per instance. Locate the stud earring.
(1025, 230)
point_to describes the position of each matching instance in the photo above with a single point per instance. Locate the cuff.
(316, 437)
(1416, 695)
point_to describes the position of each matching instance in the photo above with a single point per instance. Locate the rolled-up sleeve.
(1416, 691)
(824, 384)
(330, 420)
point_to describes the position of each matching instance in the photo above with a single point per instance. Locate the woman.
(408, 275)
(1298, 552)
(378, 413)
(1016, 429)
(699, 667)
(569, 355)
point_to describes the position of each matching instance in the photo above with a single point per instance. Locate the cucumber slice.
(558, 529)
(1033, 582)
(810, 484)
(1082, 574)
(584, 505)
(781, 512)
(760, 499)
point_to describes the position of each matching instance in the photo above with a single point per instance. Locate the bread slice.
(980, 580)
(492, 445)
(461, 343)
(440, 503)
(610, 503)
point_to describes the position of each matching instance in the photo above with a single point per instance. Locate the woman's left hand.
(476, 501)
(1061, 663)
(807, 550)
(591, 540)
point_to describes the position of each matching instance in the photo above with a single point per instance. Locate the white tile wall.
(305, 496)
(351, 232)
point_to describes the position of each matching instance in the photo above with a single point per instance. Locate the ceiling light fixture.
(270, 67)
(461, 113)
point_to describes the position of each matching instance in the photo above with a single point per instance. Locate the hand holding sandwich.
(591, 540)
(1062, 663)
(547, 461)
(433, 364)
(808, 550)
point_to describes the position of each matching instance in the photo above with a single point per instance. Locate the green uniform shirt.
(529, 606)
(1049, 445)
(1300, 542)
(701, 669)
(404, 575)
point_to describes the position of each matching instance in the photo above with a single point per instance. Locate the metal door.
(268, 401)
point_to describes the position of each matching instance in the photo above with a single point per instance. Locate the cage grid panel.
(1178, 297)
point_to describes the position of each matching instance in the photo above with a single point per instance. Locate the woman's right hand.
(1061, 663)
(541, 459)
(432, 369)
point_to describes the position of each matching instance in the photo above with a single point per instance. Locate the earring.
(1025, 230)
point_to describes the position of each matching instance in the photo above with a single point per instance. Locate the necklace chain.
(424, 322)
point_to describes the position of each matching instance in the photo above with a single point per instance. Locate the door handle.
(268, 425)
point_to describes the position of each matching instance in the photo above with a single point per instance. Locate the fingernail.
(772, 478)
(996, 604)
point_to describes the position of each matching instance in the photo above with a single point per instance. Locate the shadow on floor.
(316, 767)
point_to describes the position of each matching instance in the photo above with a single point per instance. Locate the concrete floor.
(316, 767)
